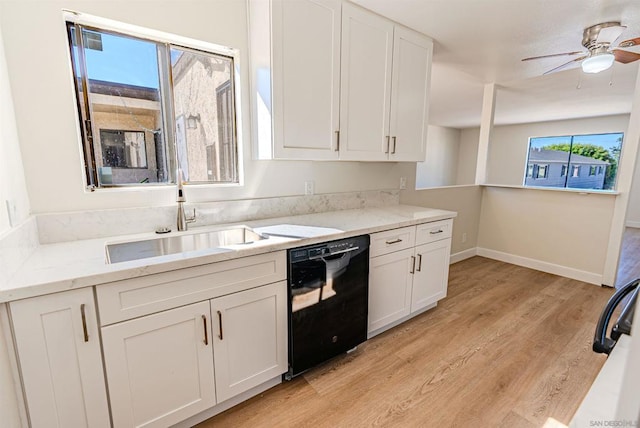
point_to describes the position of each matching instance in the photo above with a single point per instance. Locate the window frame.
(545, 168)
(575, 170)
(84, 114)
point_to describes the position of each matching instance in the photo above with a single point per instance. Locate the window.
(542, 171)
(122, 149)
(560, 161)
(148, 107)
(530, 169)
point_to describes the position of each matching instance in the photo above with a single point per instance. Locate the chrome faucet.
(183, 219)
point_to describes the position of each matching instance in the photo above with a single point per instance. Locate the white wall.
(508, 146)
(565, 229)
(441, 165)
(633, 210)
(468, 155)
(451, 158)
(39, 70)
(12, 183)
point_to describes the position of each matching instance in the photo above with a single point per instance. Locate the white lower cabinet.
(58, 348)
(250, 343)
(160, 367)
(431, 274)
(408, 272)
(390, 283)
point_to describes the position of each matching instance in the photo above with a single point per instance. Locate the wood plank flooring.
(509, 347)
(629, 265)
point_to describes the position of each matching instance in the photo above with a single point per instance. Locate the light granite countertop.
(69, 265)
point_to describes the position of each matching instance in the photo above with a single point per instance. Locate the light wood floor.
(629, 265)
(509, 347)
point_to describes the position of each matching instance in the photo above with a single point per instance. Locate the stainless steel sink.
(154, 247)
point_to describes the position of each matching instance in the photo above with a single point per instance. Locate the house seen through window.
(150, 107)
(574, 161)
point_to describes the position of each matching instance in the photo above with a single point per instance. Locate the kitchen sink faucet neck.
(182, 218)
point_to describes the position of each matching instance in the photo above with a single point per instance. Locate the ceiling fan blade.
(553, 55)
(610, 34)
(625, 57)
(566, 64)
(629, 43)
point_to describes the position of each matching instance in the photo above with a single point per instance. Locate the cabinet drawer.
(434, 231)
(392, 240)
(122, 300)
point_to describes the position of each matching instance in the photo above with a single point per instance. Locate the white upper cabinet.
(306, 78)
(410, 95)
(331, 80)
(367, 49)
(386, 76)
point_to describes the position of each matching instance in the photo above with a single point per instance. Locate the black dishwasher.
(328, 300)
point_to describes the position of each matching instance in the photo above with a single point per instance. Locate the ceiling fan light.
(598, 63)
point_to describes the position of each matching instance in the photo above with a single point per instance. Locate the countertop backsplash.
(72, 226)
(16, 245)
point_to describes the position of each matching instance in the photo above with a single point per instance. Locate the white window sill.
(558, 189)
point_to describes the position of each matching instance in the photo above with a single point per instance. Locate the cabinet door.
(160, 367)
(250, 343)
(365, 95)
(306, 78)
(431, 273)
(389, 288)
(61, 366)
(410, 96)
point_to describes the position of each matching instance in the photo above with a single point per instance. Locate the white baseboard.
(580, 275)
(463, 255)
(635, 224)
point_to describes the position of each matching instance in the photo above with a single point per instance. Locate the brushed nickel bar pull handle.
(419, 263)
(220, 322)
(394, 146)
(395, 241)
(337, 141)
(436, 232)
(387, 151)
(84, 323)
(206, 333)
(413, 265)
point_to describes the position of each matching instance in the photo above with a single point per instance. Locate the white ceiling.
(483, 41)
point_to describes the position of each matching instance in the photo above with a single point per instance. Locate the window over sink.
(150, 103)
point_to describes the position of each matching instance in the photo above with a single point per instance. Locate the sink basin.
(154, 247)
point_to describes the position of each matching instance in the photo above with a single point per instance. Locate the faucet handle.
(191, 219)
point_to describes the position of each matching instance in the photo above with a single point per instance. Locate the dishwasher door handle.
(348, 250)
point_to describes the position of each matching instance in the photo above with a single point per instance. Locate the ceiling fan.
(600, 54)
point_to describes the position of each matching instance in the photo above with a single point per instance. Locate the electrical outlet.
(464, 237)
(403, 182)
(309, 188)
